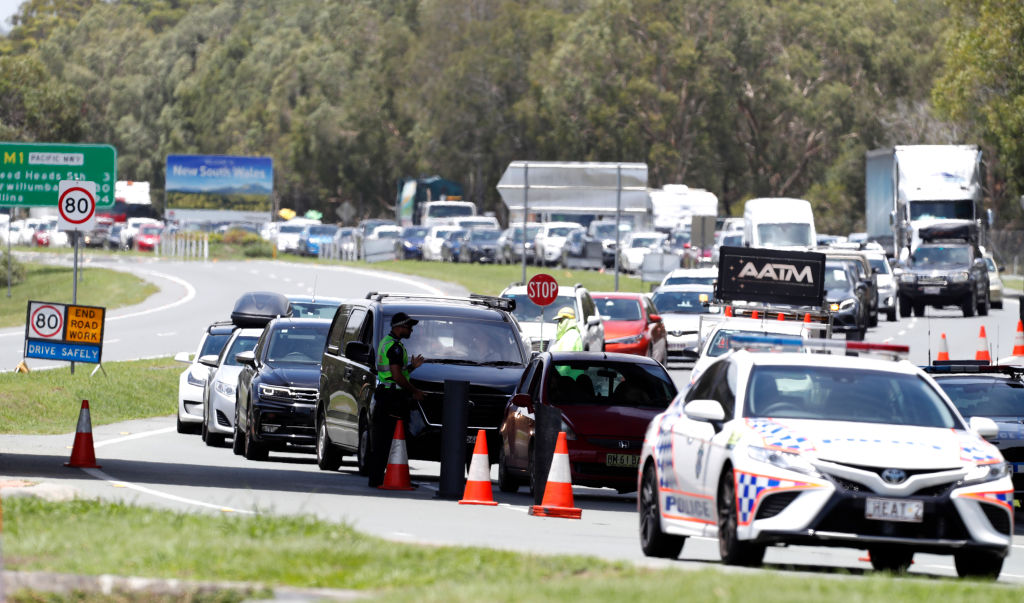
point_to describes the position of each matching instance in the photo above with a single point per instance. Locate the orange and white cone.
(396, 475)
(478, 484)
(1018, 340)
(943, 349)
(982, 353)
(83, 454)
(558, 490)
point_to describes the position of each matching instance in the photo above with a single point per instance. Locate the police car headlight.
(846, 304)
(630, 339)
(960, 277)
(987, 473)
(908, 277)
(224, 389)
(790, 461)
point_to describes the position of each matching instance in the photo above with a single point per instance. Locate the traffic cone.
(807, 317)
(1018, 340)
(755, 315)
(396, 475)
(780, 316)
(82, 453)
(728, 310)
(943, 348)
(478, 485)
(982, 353)
(558, 489)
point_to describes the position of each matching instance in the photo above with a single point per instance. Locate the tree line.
(745, 98)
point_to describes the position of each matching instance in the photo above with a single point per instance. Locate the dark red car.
(148, 237)
(606, 401)
(632, 325)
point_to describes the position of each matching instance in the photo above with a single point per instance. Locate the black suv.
(277, 388)
(946, 269)
(447, 331)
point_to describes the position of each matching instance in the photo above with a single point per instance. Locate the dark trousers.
(389, 406)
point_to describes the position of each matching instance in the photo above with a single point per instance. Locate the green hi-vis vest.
(384, 365)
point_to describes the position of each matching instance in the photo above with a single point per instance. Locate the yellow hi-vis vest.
(384, 365)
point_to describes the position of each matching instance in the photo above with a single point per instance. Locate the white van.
(779, 222)
(443, 212)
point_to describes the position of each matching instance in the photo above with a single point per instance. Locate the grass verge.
(96, 287)
(305, 552)
(48, 402)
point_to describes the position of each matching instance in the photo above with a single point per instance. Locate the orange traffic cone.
(982, 353)
(478, 485)
(807, 317)
(396, 475)
(755, 314)
(728, 310)
(558, 490)
(781, 316)
(943, 349)
(82, 453)
(1018, 340)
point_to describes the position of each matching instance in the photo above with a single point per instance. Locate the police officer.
(393, 393)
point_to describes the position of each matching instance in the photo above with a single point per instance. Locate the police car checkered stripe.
(1004, 499)
(779, 436)
(663, 456)
(978, 451)
(750, 487)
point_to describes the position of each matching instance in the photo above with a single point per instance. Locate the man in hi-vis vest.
(391, 400)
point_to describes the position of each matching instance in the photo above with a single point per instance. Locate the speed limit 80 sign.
(77, 204)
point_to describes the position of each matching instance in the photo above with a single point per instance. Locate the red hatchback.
(632, 325)
(148, 237)
(606, 401)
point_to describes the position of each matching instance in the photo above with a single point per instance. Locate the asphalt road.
(147, 462)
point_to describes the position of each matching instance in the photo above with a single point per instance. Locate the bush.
(17, 270)
(258, 249)
(241, 237)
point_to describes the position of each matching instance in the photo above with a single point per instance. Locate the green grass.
(1013, 282)
(96, 287)
(48, 402)
(305, 552)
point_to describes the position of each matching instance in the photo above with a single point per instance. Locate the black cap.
(401, 319)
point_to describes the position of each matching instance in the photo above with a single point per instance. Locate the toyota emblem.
(894, 476)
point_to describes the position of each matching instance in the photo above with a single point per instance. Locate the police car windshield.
(845, 394)
(609, 383)
(987, 396)
(465, 341)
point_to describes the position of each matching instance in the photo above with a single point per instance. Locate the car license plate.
(931, 290)
(622, 460)
(889, 509)
(676, 347)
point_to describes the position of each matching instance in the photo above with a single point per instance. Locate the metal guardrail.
(184, 246)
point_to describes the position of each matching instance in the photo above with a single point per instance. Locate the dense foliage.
(742, 97)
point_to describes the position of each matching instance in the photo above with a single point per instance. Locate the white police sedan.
(824, 450)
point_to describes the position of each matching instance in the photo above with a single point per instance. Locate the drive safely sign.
(66, 332)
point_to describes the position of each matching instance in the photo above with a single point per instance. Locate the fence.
(371, 250)
(185, 246)
(1007, 246)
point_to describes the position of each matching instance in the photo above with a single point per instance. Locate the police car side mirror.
(705, 410)
(209, 360)
(985, 427)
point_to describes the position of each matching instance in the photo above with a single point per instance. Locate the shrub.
(17, 270)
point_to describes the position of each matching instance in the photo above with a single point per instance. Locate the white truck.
(910, 186)
(436, 213)
(675, 204)
(780, 223)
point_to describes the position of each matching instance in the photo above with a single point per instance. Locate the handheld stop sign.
(77, 205)
(542, 289)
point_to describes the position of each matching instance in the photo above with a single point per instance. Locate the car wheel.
(254, 451)
(918, 310)
(531, 469)
(363, 453)
(203, 432)
(978, 564)
(984, 306)
(892, 559)
(328, 457)
(506, 483)
(214, 439)
(733, 550)
(997, 305)
(890, 315)
(970, 304)
(904, 307)
(238, 439)
(873, 319)
(189, 428)
(654, 542)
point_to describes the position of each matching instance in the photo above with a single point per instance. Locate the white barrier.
(379, 250)
(338, 251)
(656, 266)
(592, 258)
(185, 246)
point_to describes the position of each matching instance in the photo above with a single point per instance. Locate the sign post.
(76, 203)
(542, 291)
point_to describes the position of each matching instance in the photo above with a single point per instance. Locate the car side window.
(261, 344)
(525, 380)
(366, 333)
(703, 388)
(589, 307)
(535, 380)
(354, 328)
(337, 333)
(723, 387)
(649, 307)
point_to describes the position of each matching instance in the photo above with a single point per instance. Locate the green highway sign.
(30, 173)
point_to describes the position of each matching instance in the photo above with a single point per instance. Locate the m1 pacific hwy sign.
(64, 332)
(30, 173)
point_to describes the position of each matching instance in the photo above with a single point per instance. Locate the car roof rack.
(490, 301)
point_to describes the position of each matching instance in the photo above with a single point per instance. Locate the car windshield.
(732, 240)
(607, 231)
(612, 308)
(609, 383)
(836, 277)
(449, 211)
(559, 231)
(785, 235)
(414, 232)
(214, 344)
(689, 280)
(150, 230)
(531, 232)
(527, 311)
(976, 396)
(880, 264)
(239, 345)
(845, 394)
(297, 344)
(309, 309)
(644, 242)
(386, 233)
(484, 236)
(939, 255)
(323, 231)
(465, 341)
(291, 229)
(680, 302)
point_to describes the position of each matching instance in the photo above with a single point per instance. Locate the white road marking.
(109, 341)
(134, 436)
(901, 333)
(168, 334)
(887, 339)
(189, 501)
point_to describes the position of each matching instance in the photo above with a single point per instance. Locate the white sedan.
(636, 246)
(193, 379)
(219, 390)
(819, 449)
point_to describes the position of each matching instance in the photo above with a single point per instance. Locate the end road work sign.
(64, 332)
(30, 173)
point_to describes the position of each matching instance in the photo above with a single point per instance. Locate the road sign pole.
(618, 218)
(10, 260)
(74, 285)
(526, 210)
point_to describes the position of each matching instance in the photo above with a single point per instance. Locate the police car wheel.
(893, 559)
(978, 564)
(733, 550)
(653, 541)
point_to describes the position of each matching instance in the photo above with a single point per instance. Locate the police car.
(824, 450)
